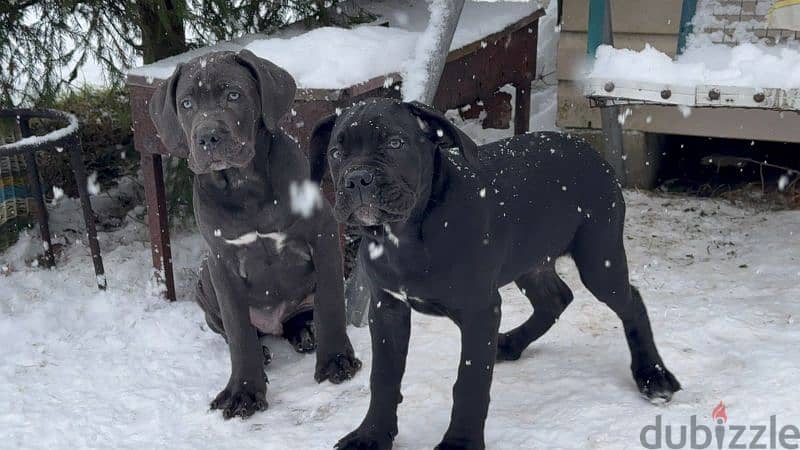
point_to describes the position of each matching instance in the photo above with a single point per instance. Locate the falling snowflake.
(92, 185)
(783, 181)
(57, 193)
(375, 250)
(305, 198)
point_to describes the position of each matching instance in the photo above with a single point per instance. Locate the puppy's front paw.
(337, 368)
(361, 440)
(241, 399)
(656, 383)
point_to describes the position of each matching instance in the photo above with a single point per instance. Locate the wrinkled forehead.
(212, 74)
(376, 119)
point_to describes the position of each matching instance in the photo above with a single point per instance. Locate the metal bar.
(522, 96)
(437, 59)
(157, 220)
(78, 171)
(36, 191)
(601, 31)
(594, 34)
(522, 107)
(687, 14)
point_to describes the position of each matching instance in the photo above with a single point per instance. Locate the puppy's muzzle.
(367, 196)
(215, 147)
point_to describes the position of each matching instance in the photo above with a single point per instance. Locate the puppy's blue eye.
(233, 96)
(395, 143)
(336, 153)
(187, 104)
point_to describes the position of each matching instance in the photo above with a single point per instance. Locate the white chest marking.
(253, 236)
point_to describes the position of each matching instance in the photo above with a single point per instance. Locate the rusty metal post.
(76, 162)
(435, 61)
(157, 220)
(522, 88)
(600, 16)
(36, 190)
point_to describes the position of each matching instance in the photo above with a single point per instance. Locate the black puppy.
(447, 223)
(269, 264)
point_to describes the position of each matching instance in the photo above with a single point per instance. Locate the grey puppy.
(270, 270)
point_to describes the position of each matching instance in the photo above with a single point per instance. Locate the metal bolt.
(714, 94)
(759, 97)
(666, 93)
(609, 86)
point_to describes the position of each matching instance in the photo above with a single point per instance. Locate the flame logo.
(719, 414)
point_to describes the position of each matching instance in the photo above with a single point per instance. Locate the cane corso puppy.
(270, 271)
(447, 223)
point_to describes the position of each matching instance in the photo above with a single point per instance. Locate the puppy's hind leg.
(600, 257)
(549, 296)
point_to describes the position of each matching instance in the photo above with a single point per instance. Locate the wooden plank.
(647, 92)
(636, 92)
(574, 111)
(630, 16)
(145, 136)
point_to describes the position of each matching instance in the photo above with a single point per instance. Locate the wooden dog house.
(474, 70)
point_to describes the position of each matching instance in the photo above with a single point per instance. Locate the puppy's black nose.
(207, 137)
(358, 178)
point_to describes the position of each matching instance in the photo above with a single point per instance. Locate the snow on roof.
(332, 58)
(745, 65)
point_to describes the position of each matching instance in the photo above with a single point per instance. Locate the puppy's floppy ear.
(318, 147)
(275, 85)
(164, 114)
(445, 133)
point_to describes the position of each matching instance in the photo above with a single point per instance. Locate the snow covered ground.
(124, 369)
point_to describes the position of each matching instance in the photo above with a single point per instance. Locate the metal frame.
(688, 10)
(70, 141)
(601, 32)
